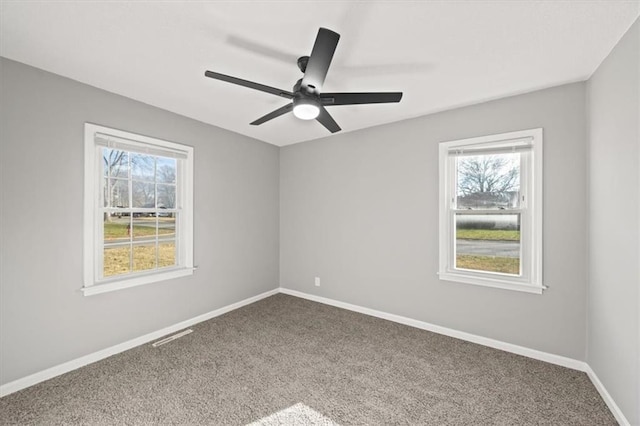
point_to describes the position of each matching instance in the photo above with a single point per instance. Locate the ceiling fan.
(308, 102)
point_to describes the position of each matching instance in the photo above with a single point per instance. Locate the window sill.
(504, 284)
(123, 283)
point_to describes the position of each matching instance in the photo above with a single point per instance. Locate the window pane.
(143, 167)
(144, 256)
(116, 162)
(488, 243)
(116, 260)
(166, 170)
(116, 229)
(119, 193)
(144, 194)
(488, 181)
(144, 226)
(166, 227)
(166, 254)
(167, 196)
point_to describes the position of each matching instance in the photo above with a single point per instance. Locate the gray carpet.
(284, 357)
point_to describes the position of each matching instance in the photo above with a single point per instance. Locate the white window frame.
(530, 278)
(93, 218)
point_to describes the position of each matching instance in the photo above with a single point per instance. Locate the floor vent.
(171, 338)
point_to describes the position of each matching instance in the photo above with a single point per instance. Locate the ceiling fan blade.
(329, 99)
(249, 84)
(320, 59)
(273, 114)
(327, 121)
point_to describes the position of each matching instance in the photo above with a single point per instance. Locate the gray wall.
(360, 211)
(357, 210)
(44, 318)
(614, 225)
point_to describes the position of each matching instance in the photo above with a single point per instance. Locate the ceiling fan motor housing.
(309, 90)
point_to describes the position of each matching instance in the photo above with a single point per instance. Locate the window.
(138, 210)
(491, 211)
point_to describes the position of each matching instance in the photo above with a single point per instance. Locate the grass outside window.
(499, 264)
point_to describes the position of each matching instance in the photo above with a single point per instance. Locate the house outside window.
(138, 210)
(491, 211)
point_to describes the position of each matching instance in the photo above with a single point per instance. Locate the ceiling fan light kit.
(306, 109)
(307, 100)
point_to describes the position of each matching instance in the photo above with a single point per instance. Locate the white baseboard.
(485, 341)
(57, 370)
(617, 412)
(497, 344)
(52, 372)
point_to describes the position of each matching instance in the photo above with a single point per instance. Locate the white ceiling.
(441, 54)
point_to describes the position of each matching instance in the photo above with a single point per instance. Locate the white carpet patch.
(298, 414)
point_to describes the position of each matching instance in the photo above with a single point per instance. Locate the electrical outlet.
(317, 281)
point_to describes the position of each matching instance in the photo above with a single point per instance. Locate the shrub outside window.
(138, 209)
(491, 211)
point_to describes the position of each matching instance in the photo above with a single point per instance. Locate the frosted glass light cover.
(306, 111)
